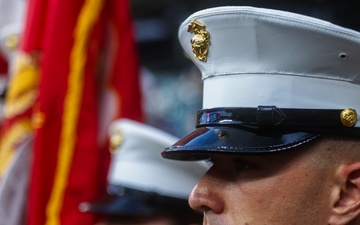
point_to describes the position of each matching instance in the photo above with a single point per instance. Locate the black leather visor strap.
(273, 117)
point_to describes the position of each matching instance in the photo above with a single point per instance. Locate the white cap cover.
(273, 80)
(137, 162)
(269, 57)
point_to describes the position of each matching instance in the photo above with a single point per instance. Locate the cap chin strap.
(266, 117)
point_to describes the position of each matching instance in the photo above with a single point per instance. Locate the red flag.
(3, 65)
(82, 62)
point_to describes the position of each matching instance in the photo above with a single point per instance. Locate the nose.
(206, 195)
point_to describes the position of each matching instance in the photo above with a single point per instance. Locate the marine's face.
(288, 188)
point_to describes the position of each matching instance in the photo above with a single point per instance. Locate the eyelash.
(240, 165)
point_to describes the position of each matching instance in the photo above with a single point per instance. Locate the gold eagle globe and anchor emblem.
(201, 40)
(116, 139)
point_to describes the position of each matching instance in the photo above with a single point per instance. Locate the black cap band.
(265, 117)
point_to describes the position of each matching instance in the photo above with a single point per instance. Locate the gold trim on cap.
(116, 140)
(348, 117)
(201, 40)
(11, 42)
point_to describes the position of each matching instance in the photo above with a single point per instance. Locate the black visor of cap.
(259, 130)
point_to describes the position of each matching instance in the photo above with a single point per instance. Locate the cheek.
(285, 197)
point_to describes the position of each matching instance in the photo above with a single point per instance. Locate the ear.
(346, 197)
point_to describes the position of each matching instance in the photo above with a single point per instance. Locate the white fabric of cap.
(138, 164)
(269, 57)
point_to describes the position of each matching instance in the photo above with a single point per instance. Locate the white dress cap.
(137, 163)
(252, 56)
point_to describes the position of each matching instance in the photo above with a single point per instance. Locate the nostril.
(205, 198)
(197, 204)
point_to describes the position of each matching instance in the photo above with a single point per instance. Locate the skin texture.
(314, 184)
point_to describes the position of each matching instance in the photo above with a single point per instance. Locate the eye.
(240, 165)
